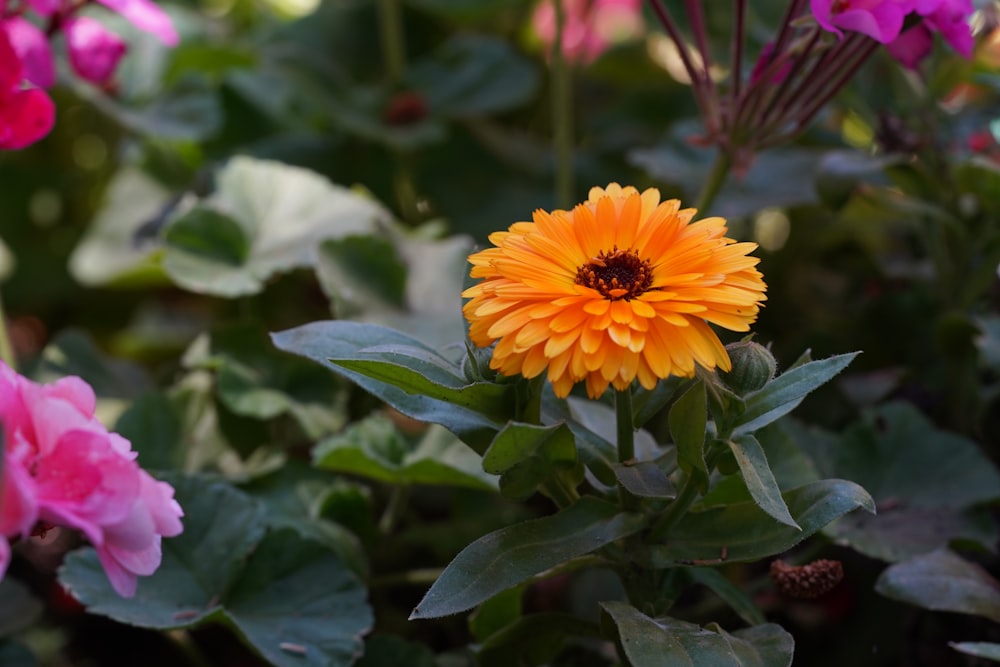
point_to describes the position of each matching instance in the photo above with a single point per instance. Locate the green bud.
(753, 367)
(476, 365)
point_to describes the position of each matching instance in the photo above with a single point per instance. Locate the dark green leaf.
(19, 609)
(73, 352)
(533, 640)
(496, 613)
(322, 341)
(392, 651)
(942, 581)
(759, 479)
(511, 555)
(374, 448)
(208, 248)
(361, 273)
(926, 482)
(153, 425)
(733, 595)
(744, 532)
(518, 441)
(293, 592)
(687, 419)
(649, 642)
(784, 393)
(645, 479)
(14, 654)
(473, 75)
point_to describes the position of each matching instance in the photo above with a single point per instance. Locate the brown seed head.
(806, 581)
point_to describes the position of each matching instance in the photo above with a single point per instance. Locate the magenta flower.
(26, 114)
(951, 19)
(32, 47)
(62, 467)
(592, 26)
(879, 19)
(912, 46)
(94, 51)
(147, 16)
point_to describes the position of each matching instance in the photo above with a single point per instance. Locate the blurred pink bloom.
(879, 19)
(63, 467)
(32, 47)
(94, 51)
(951, 19)
(26, 114)
(145, 15)
(912, 46)
(592, 26)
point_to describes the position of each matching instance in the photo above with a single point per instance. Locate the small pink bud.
(94, 51)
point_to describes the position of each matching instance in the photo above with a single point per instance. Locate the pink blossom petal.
(882, 23)
(912, 46)
(18, 506)
(32, 47)
(123, 581)
(166, 512)
(25, 117)
(44, 7)
(135, 532)
(72, 389)
(952, 21)
(145, 15)
(11, 70)
(94, 51)
(142, 561)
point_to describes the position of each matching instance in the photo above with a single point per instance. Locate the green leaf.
(153, 426)
(496, 613)
(120, 246)
(392, 651)
(278, 589)
(208, 248)
(647, 404)
(361, 273)
(15, 654)
(293, 591)
(73, 352)
(942, 581)
(784, 393)
(253, 379)
(264, 218)
(509, 556)
(374, 448)
(978, 649)
(744, 532)
(474, 75)
(649, 642)
(533, 640)
(731, 594)
(927, 483)
(645, 479)
(323, 341)
(759, 479)
(687, 420)
(518, 441)
(19, 609)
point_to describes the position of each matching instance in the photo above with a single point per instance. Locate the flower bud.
(94, 51)
(753, 367)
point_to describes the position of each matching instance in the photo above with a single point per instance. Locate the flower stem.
(626, 428)
(562, 113)
(6, 349)
(675, 510)
(390, 20)
(714, 182)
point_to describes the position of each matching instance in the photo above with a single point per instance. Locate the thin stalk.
(736, 73)
(562, 113)
(714, 182)
(859, 59)
(6, 349)
(781, 99)
(394, 509)
(675, 34)
(561, 493)
(626, 427)
(697, 20)
(390, 21)
(679, 506)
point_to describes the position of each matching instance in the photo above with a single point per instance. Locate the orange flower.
(619, 288)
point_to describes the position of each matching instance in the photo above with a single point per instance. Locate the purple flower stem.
(674, 33)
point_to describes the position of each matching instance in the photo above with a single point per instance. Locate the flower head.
(592, 26)
(622, 287)
(62, 467)
(26, 114)
(879, 19)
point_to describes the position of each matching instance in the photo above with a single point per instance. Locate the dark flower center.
(618, 274)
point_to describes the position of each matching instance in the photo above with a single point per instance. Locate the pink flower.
(145, 15)
(592, 26)
(879, 19)
(94, 51)
(32, 47)
(26, 114)
(62, 466)
(912, 46)
(951, 19)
